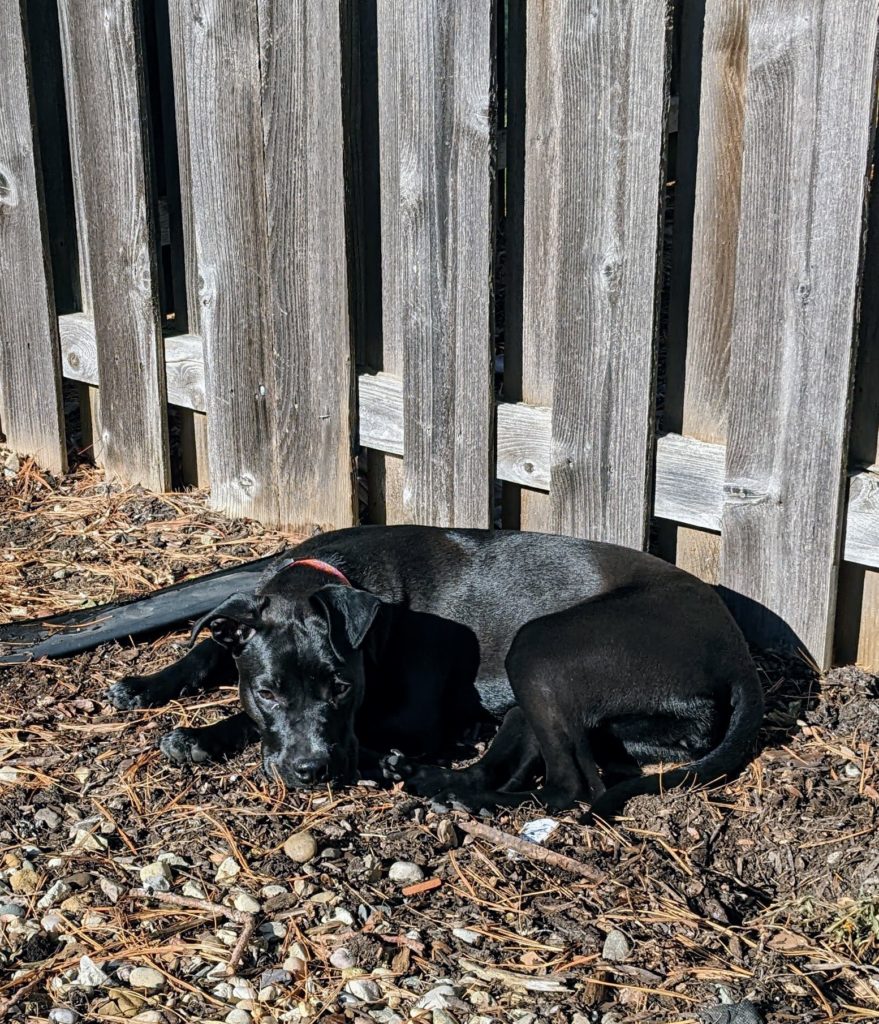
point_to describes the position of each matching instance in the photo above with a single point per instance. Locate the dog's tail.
(745, 719)
(61, 635)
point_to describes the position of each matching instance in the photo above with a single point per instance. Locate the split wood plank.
(596, 105)
(435, 66)
(312, 408)
(808, 125)
(105, 75)
(715, 237)
(31, 416)
(216, 53)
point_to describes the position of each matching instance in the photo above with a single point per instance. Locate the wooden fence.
(314, 226)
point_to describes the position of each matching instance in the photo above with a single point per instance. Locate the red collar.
(316, 563)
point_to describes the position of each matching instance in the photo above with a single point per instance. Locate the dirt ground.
(766, 890)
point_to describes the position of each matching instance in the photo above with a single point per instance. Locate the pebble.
(86, 841)
(25, 881)
(227, 936)
(49, 818)
(300, 847)
(404, 872)
(146, 978)
(364, 990)
(275, 976)
(110, 889)
(156, 876)
(52, 924)
(343, 915)
(465, 935)
(149, 1017)
(238, 1017)
(11, 465)
(616, 947)
(243, 990)
(227, 872)
(11, 910)
(90, 974)
(56, 892)
(295, 964)
(222, 990)
(341, 959)
(246, 903)
(194, 890)
(63, 1015)
(269, 891)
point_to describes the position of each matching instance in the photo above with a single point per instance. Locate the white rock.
(90, 974)
(8, 774)
(227, 872)
(616, 947)
(194, 890)
(149, 1017)
(147, 979)
(49, 818)
(342, 959)
(243, 990)
(227, 936)
(52, 924)
(172, 860)
(238, 1017)
(404, 872)
(110, 889)
(63, 1015)
(223, 990)
(443, 997)
(246, 903)
(465, 935)
(156, 876)
(11, 910)
(343, 915)
(56, 892)
(268, 891)
(364, 990)
(86, 841)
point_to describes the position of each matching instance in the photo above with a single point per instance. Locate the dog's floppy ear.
(233, 622)
(349, 614)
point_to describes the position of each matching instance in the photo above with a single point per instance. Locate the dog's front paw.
(130, 692)
(429, 781)
(182, 747)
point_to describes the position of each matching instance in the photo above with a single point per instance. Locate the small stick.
(247, 921)
(532, 851)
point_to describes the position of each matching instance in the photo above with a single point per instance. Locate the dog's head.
(300, 666)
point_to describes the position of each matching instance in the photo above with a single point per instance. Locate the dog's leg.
(206, 666)
(512, 761)
(225, 738)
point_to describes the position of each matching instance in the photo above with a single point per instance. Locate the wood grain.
(435, 67)
(31, 417)
(808, 123)
(594, 169)
(300, 61)
(217, 58)
(105, 76)
(715, 236)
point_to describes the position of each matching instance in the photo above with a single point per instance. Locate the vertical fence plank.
(227, 259)
(810, 89)
(435, 60)
(30, 416)
(593, 178)
(308, 288)
(715, 235)
(105, 73)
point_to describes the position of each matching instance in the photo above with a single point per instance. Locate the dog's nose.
(310, 771)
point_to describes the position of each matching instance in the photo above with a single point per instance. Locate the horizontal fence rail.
(476, 253)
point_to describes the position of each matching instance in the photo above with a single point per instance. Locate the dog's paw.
(182, 747)
(429, 781)
(130, 692)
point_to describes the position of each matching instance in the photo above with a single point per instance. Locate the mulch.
(766, 889)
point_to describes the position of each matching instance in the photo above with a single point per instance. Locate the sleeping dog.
(368, 651)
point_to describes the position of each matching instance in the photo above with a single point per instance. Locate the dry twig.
(531, 850)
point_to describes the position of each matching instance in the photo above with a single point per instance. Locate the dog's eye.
(267, 695)
(341, 688)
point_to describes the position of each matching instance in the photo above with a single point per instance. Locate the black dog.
(380, 639)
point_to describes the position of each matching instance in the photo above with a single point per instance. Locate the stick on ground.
(532, 851)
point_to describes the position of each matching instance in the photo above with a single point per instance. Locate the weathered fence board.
(810, 88)
(105, 75)
(30, 416)
(227, 213)
(715, 235)
(592, 196)
(435, 61)
(308, 290)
